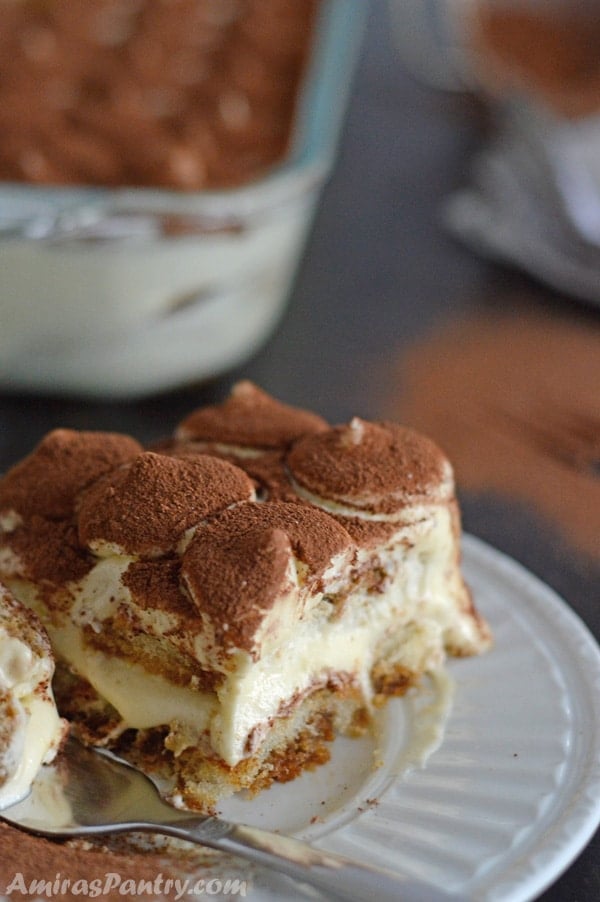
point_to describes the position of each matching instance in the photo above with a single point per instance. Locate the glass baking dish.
(118, 293)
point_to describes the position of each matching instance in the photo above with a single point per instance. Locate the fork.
(89, 792)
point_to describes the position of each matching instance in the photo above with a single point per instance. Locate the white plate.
(508, 789)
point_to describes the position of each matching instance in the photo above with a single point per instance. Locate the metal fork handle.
(340, 877)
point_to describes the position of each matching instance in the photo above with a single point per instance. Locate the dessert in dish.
(226, 603)
(197, 132)
(187, 94)
(31, 730)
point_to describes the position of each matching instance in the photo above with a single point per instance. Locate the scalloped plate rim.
(574, 812)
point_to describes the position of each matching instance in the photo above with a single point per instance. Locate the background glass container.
(124, 292)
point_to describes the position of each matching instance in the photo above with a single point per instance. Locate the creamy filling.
(253, 694)
(350, 507)
(32, 729)
(41, 736)
(143, 699)
(243, 452)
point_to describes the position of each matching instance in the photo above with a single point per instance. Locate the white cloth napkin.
(534, 199)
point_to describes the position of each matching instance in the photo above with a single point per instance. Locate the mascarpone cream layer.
(31, 727)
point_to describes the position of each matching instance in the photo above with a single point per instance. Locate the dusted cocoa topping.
(69, 863)
(236, 578)
(144, 508)
(64, 463)
(249, 418)
(235, 566)
(186, 94)
(379, 467)
(266, 469)
(156, 585)
(47, 553)
(367, 533)
(270, 475)
(315, 537)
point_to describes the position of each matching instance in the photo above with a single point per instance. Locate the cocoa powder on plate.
(514, 400)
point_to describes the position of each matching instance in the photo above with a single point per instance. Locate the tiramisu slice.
(228, 603)
(30, 729)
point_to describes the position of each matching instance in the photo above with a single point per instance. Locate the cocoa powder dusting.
(146, 507)
(64, 462)
(236, 580)
(155, 585)
(235, 565)
(49, 553)
(249, 417)
(514, 401)
(39, 859)
(381, 466)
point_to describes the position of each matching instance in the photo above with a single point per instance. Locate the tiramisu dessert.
(226, 603)
(31, 730)
(184, 94)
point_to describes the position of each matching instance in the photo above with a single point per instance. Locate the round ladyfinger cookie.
(145, 507)
(377, 468)
(235, 580)
(236, 566)
(47, 481)
(249, 418)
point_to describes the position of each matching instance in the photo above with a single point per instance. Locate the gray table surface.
(378, 272)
